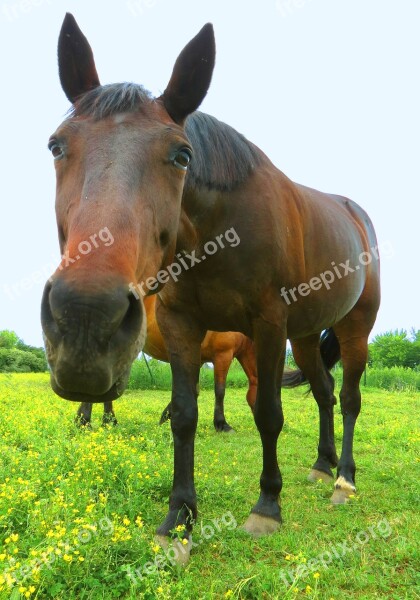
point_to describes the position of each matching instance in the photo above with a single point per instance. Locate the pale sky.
(328, 89)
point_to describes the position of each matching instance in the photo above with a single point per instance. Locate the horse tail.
(330, 354)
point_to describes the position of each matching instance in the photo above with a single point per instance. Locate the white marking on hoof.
(343, 491)
(258, 525)
(316, 475)
(177, 552)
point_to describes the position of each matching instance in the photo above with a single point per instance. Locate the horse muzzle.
(91, 339)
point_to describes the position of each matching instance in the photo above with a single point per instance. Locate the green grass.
(99, 495)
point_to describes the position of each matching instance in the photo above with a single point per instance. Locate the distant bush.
(161, 379)
(18, 357)
(389, 378)
(19, 361)
(394, 378)
(8, 339)
(395, 349)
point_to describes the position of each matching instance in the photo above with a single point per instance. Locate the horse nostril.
(48, 322)
(131, 322)
(164, 238)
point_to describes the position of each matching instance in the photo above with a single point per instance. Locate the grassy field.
(78, 509)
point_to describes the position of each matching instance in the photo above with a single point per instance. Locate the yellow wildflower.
(139, 521)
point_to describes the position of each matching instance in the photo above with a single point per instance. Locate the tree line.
(391, 349)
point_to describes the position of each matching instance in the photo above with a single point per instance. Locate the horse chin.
(114, 392)
(118, 386)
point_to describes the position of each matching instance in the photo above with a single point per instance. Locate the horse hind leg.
(270, 341)
(308, 357)
(352, 334)
(248, 363)
(222, 363)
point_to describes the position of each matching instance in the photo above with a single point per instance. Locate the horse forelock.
(223, 158)
(108, 100)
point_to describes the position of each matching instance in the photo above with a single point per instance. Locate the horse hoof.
(109, 421)
(224, 428)
(82, 423)
(165, 416)
(343, 491)
(176, 552)
(316, 475)
(258, 525)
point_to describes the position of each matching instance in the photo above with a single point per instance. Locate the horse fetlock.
(179, 521)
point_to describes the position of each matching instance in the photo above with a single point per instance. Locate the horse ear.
(75, 60)
(191, 76)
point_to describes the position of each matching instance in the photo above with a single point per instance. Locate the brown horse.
(202, 217)
(217, 348)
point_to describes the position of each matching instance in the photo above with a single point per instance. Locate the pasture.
(78, 508)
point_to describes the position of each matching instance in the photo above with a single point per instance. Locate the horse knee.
(350, 402)
(184, 421)
(269, 421)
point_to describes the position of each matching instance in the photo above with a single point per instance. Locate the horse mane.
(222, 157)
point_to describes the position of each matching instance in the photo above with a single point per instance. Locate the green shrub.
(161, 377)
(20, 361)
(394, 378)
(389, 378)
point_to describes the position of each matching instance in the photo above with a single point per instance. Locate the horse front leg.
(270, 343)
(83, 415)
(183, 341)
(109, 418)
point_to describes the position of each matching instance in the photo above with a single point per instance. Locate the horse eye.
(182, 158)
(55, 149)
